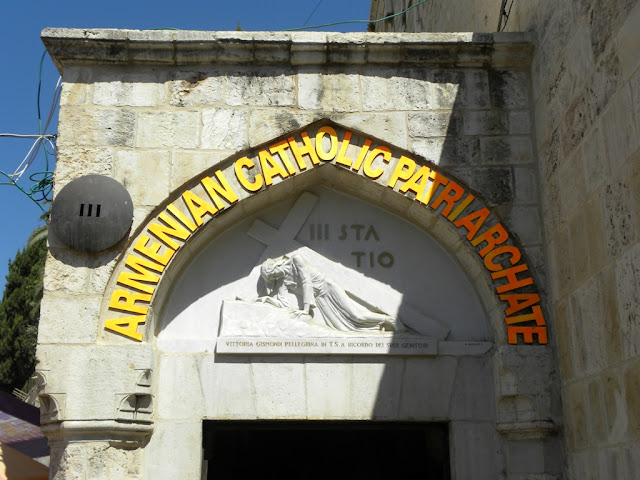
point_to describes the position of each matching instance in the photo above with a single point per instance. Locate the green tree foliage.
(19, 314)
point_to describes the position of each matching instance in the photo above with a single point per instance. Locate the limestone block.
(605, 80)
(140, 215)
(174, 451)
(563, 271)
(451, 151)
(621, 136)
(105, 462)
(68, 463)
(556, 32)
(474, 91)
(61, 275)
(550, 154)
(579, 60)
(526, 456)
(390, 127)
(619, 218)
(632, 396)
(509, 89)
(506, 150)
(596, 413)
(381, 93)
(93, 377)
(68, 319)
(603, 24)
(627, 278)
(263, 88)
(101, 272)
(596, 162)
(96, 127)
(635, 95)
(179, 391)
(132, 93)
(145, 174)
(168, 129)
(520, 123)
(572, 186)
(434, 124)
(328, 389)
(193, 89)
(634, 166)
(533, 366)
(227, 388)
(627, 41)
(267, 124)
(484, 123)
(525, 223)
(545, 121)
(580, 251)
(595, 311)
(375, 388)
(495, 183)
(427, 385)
(595, 233)
(74, 93)
(575, 123)
(630, 456)
(279, 389)
(576, 417)
(477, 450)
(579, 464)
(473, 391)
(224, 129)
(550, 203)
(186, 164)
(333, 93)
(74, 162)
(525, 185)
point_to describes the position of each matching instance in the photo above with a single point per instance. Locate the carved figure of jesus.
(320, 296)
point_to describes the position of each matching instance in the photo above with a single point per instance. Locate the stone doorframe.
(523, 394)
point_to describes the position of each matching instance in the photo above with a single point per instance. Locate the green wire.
(358, 21)
(44, 146)
(326, 24)
(44, 185)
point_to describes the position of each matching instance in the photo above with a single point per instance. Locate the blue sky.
(21, 50)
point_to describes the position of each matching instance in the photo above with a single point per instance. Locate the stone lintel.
(132, 434)
(528, 430)
(181, 47)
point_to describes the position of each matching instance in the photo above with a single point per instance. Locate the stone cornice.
(182, 47)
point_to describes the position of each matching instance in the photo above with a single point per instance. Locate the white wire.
(17, 135)
(35, 148)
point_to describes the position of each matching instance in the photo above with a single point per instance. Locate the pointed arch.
(327, 153)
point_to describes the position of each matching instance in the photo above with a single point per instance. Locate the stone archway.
(325, 154)
(409, 187)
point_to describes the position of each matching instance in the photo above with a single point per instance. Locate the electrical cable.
(326, 24)
(504, 14)
(42, 186)
(311, 15)
(358, 21)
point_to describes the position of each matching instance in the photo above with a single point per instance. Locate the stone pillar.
(96, 409)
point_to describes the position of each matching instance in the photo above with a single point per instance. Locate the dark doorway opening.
(325, 449)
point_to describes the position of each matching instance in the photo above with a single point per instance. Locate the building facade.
(331, 238)
(586, 102)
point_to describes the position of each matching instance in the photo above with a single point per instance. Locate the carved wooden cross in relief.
(372, 293)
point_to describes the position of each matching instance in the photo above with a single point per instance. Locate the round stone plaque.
(92, 213)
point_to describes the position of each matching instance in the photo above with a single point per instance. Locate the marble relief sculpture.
(324, 301)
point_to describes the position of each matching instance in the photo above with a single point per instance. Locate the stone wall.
(436, 16)
(586, 90)
(155, 109)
